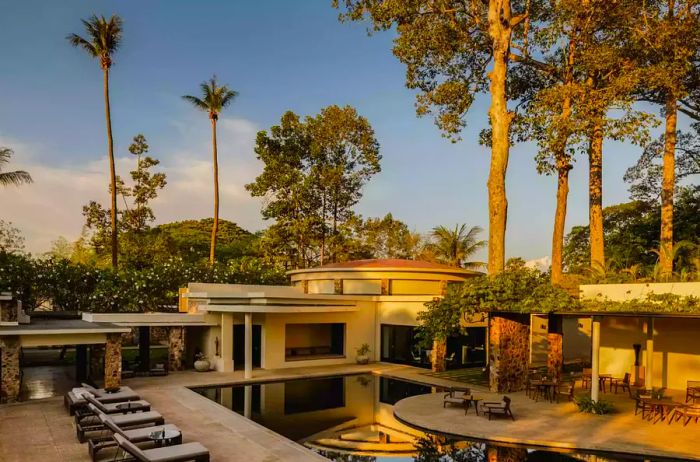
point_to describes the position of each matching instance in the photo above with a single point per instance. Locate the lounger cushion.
(176, 453)
(126, 420)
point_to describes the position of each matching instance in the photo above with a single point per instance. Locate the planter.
(202, 365)
(362, 359)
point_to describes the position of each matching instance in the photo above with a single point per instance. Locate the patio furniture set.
(540, 386)
(655, 407)
(120, 419)
(463, 397)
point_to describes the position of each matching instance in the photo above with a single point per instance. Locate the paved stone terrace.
(41, 430)
(558, 425)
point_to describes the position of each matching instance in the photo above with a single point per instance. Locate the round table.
(165, 437)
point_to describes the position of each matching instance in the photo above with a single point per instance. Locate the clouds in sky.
(52, 205)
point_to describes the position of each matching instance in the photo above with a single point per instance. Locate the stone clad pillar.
(509, 351)
(555, 351)
(176, 348)
(113, 361)
(438, 355)
(9, 373)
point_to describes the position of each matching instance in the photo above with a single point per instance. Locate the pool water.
(350, 419)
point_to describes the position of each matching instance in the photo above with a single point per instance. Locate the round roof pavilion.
(380, 276)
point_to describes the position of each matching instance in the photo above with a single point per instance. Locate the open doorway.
(239, 346)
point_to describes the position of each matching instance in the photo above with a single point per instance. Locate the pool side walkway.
(42, 430)
(557, 425)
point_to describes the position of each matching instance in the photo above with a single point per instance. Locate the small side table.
(165, 437)
(469, 400)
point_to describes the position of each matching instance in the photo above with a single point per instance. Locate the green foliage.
(78, 287)
(455, 246)
(103, 38)
(645, 176)
(314, 172)
(15, 178)
(214, 98)
(363, 350)
(11, 239)
(632, 235)
(189, 239)
(587, 405)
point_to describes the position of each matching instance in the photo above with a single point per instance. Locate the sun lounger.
(72, 401)
(497, 409)
(123, 407)
(137, 419)
(178, 453)
(136, 435)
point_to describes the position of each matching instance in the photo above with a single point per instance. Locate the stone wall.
(176, 348)
(113, 361)
(555, 348)
(8, 310)
(555, 356)
(9, 373)
(509, 351)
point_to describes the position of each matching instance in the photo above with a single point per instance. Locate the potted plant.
(201, 362)
(363, 354)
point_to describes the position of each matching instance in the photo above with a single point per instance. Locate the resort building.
(328, 313)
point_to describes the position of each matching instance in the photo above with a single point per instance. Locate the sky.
(279, 56)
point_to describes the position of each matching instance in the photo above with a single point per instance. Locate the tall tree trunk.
(500, 118)
(563, 164)
(215, 225)
(112, 172)
(595, 196)
(560, 223)
(667, 186)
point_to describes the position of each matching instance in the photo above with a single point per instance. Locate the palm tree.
(214, 99)
(11, 178)
(103, 39)
(455, 246)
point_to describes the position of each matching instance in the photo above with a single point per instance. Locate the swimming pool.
(350, 419)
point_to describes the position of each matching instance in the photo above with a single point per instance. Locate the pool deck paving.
(42, 430)
(558, 425)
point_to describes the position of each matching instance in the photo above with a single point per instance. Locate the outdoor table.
(165, 437)
(602, 378)
(130, 406)
(546, 387)
(661, 407)
(468, 400)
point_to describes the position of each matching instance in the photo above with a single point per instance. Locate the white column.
(248, 345)
(247, 401)
(595, 358)
(648, 375)
(226, 343)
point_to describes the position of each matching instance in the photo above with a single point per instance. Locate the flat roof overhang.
(150, 319)
(62, 327)
(281, 309)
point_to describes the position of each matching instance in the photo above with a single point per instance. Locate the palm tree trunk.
(559, 224)
(215, 225)
(500, 119)
(112, 173)
(595, 196)
(667, 186)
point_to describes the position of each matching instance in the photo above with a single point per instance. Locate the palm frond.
(79, 42)
(196, 102)
(5, 154)
(15, 178)
(103, 36)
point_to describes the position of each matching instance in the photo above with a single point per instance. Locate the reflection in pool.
(350, 419)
